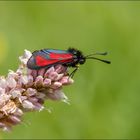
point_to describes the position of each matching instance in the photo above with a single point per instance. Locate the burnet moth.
(72, 57)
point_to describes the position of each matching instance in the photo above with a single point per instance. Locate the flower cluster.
(26, 90)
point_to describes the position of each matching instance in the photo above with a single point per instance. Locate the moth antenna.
(105, 61)
(97, 53)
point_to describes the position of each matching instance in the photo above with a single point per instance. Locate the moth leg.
(74, 71)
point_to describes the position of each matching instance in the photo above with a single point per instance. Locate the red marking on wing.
(60, 56)
(40, 61)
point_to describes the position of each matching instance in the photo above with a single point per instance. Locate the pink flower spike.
(27, 90)
(18, 112)
(33, 99)
(39, 81)
(20, 70)
(50, 70)
(41, 72)
(3, 82)
(31, 92)
(41, 95)
(2, 91)
(24, 79)
(14, 119)
(66, 80)
(56, 85)
(29, 71)
(27, 104)
(57, 95)
(53, 76)
(34, 73)
(27, 54)
(70, 81)
(9, 107)
(60, 69)
(47, 82)
(30, 78)
(15, 93)
(11, 82)
(1, 115)
(25, 57)
(4, 98)
(59, 77)
(38, 107)
(12, 74)
(22, 98)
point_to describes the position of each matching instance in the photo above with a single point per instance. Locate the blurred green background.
(105, 99)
